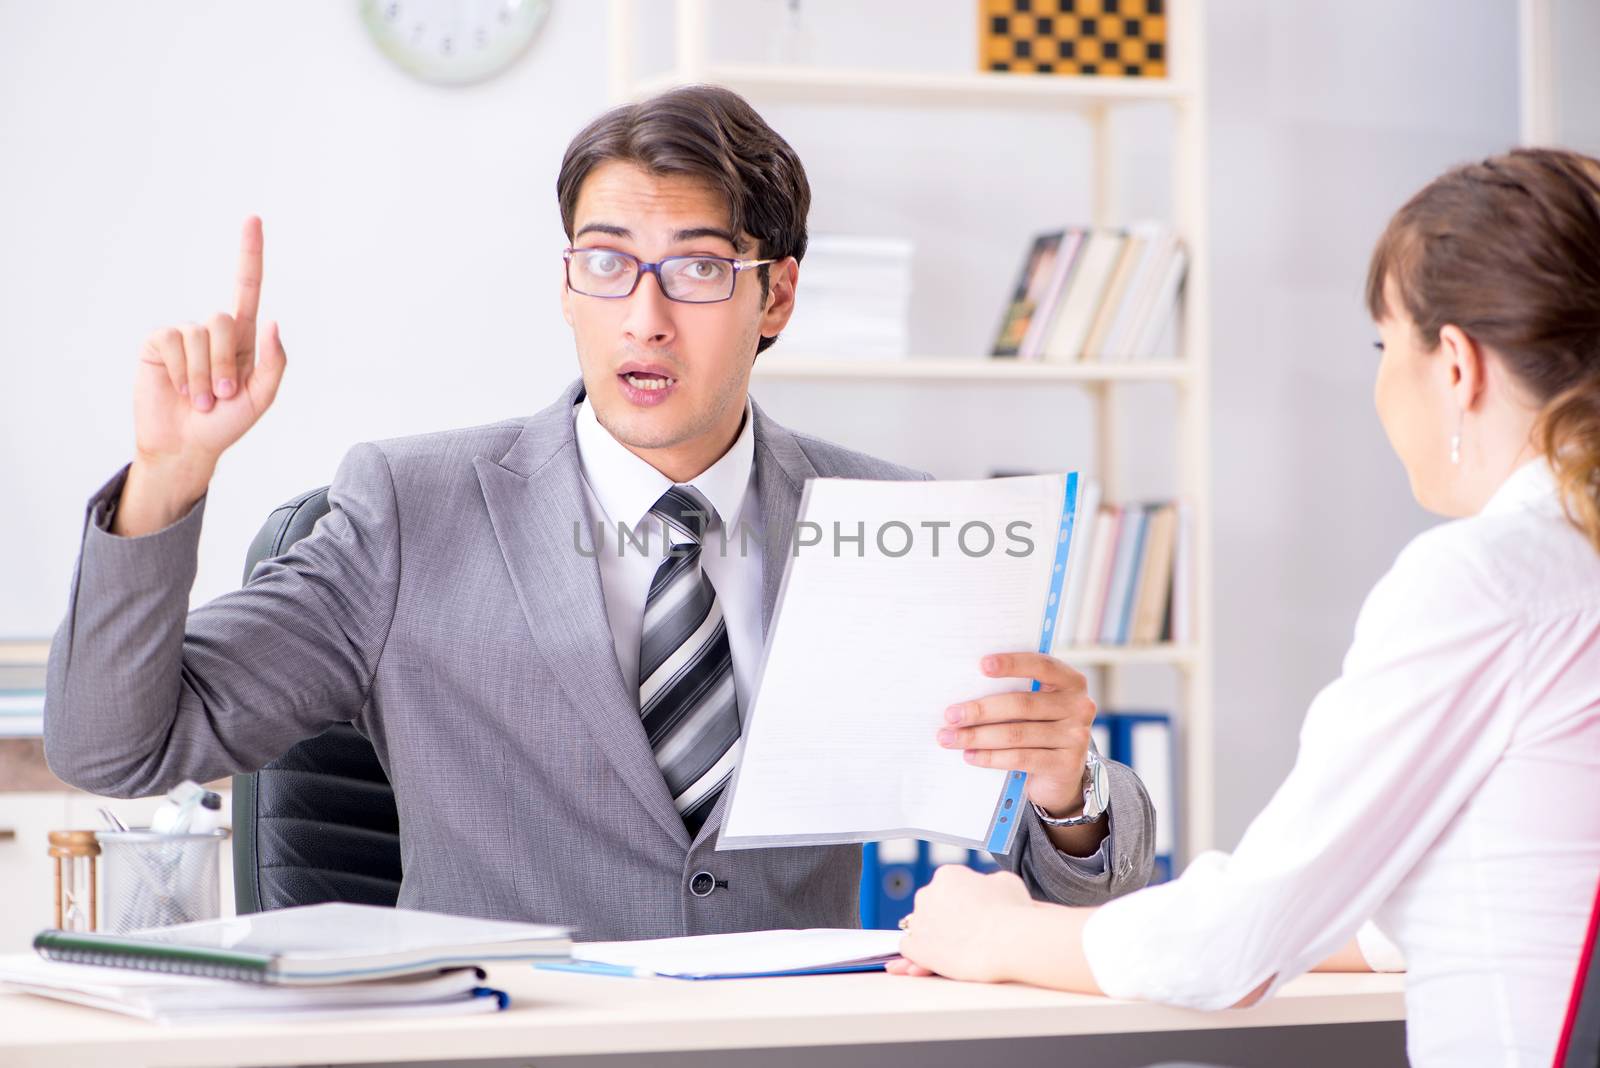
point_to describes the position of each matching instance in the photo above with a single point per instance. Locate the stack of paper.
(181, 999)
(21, 713)
(854, 299)
(744, 955)
(22, 696)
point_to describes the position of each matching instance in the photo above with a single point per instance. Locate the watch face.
(453, 42)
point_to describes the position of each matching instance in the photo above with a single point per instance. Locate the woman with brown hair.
(1448, 782)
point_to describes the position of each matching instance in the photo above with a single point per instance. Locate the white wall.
(1577, 75)
(411, 239)
(412, 246)
(1325, 118)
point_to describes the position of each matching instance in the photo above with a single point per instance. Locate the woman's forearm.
(1044, 947)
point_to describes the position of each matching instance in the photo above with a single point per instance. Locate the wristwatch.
(1096, 796)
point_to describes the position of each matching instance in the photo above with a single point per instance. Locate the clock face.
(454, 42)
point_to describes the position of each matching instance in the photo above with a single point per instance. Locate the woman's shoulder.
(1506, 564)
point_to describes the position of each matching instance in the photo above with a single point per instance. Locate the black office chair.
(319, 823)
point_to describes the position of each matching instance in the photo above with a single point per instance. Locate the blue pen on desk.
(594, 967)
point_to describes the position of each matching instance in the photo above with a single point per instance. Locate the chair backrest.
(319, 823)
(1580, 1038)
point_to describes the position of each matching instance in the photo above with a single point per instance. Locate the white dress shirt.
(1447, 786)
(621, 488)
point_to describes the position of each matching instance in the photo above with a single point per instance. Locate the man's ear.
(784, 279)
(566, 298)
(1463, 366)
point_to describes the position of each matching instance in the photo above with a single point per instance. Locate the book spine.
(1124, 561)
(1107, 531)
(1087, 523)
(1048, 308)
(1163, 305)
(1137, 563)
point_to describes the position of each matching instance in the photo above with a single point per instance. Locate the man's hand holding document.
(897, 697)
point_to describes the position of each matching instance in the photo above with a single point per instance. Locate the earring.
(1455, 445)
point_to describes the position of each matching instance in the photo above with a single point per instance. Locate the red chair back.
(1580, 1036)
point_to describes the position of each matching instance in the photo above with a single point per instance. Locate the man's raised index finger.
(247, 288)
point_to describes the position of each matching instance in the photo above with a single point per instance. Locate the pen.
(594, 967)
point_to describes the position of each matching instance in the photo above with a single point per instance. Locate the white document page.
(872, 641)
(745, 953)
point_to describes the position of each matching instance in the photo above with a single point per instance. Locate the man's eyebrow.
(604, 228)
(691, 234)
(706, 231)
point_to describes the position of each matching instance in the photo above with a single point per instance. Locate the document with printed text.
(892, 595)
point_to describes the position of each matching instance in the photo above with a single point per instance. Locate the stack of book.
(1095, 295)
(21, 713)
(1128, 573)
(856, 298)
(22, 671)
(310, 962)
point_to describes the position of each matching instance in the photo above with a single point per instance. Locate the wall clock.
(454, 42)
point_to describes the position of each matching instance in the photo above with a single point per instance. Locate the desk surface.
(556, 1013)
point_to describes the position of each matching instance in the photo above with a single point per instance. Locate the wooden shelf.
(892, 88)
(1121, 655)
(947, 369)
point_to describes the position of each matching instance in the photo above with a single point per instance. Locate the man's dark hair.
(709, 133)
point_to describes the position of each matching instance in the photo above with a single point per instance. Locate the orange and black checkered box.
(1116, 38)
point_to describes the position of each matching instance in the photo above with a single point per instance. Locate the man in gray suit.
(558, 722)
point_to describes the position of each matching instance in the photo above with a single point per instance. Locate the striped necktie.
(686, 692)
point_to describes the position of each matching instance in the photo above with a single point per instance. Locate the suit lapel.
(535, 496)
(781, 474)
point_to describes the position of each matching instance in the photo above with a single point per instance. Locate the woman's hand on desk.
(963, 924)
(985, 928)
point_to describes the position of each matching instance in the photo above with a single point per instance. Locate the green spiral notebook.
(312, 944)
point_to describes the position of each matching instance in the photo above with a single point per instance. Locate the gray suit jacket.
(441, 607)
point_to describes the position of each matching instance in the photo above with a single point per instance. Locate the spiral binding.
(165, 965)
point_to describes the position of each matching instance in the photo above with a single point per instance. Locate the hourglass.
(75, 853)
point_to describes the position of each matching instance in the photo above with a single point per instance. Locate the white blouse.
(1447, 787)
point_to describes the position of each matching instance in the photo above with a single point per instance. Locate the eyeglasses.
(612, 275)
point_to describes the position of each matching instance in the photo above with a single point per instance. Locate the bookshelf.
(1095, 100)
(801, 367)
(869, 87)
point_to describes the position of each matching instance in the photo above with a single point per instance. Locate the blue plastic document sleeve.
(593, 967)
(1003, 828)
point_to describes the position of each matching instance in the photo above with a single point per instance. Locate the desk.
(560, 1019)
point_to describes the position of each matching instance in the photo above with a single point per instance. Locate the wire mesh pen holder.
(157, 880)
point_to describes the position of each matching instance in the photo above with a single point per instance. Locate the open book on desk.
(894, 593)
(312, 944)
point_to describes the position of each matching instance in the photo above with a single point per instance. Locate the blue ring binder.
(1003, 828)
